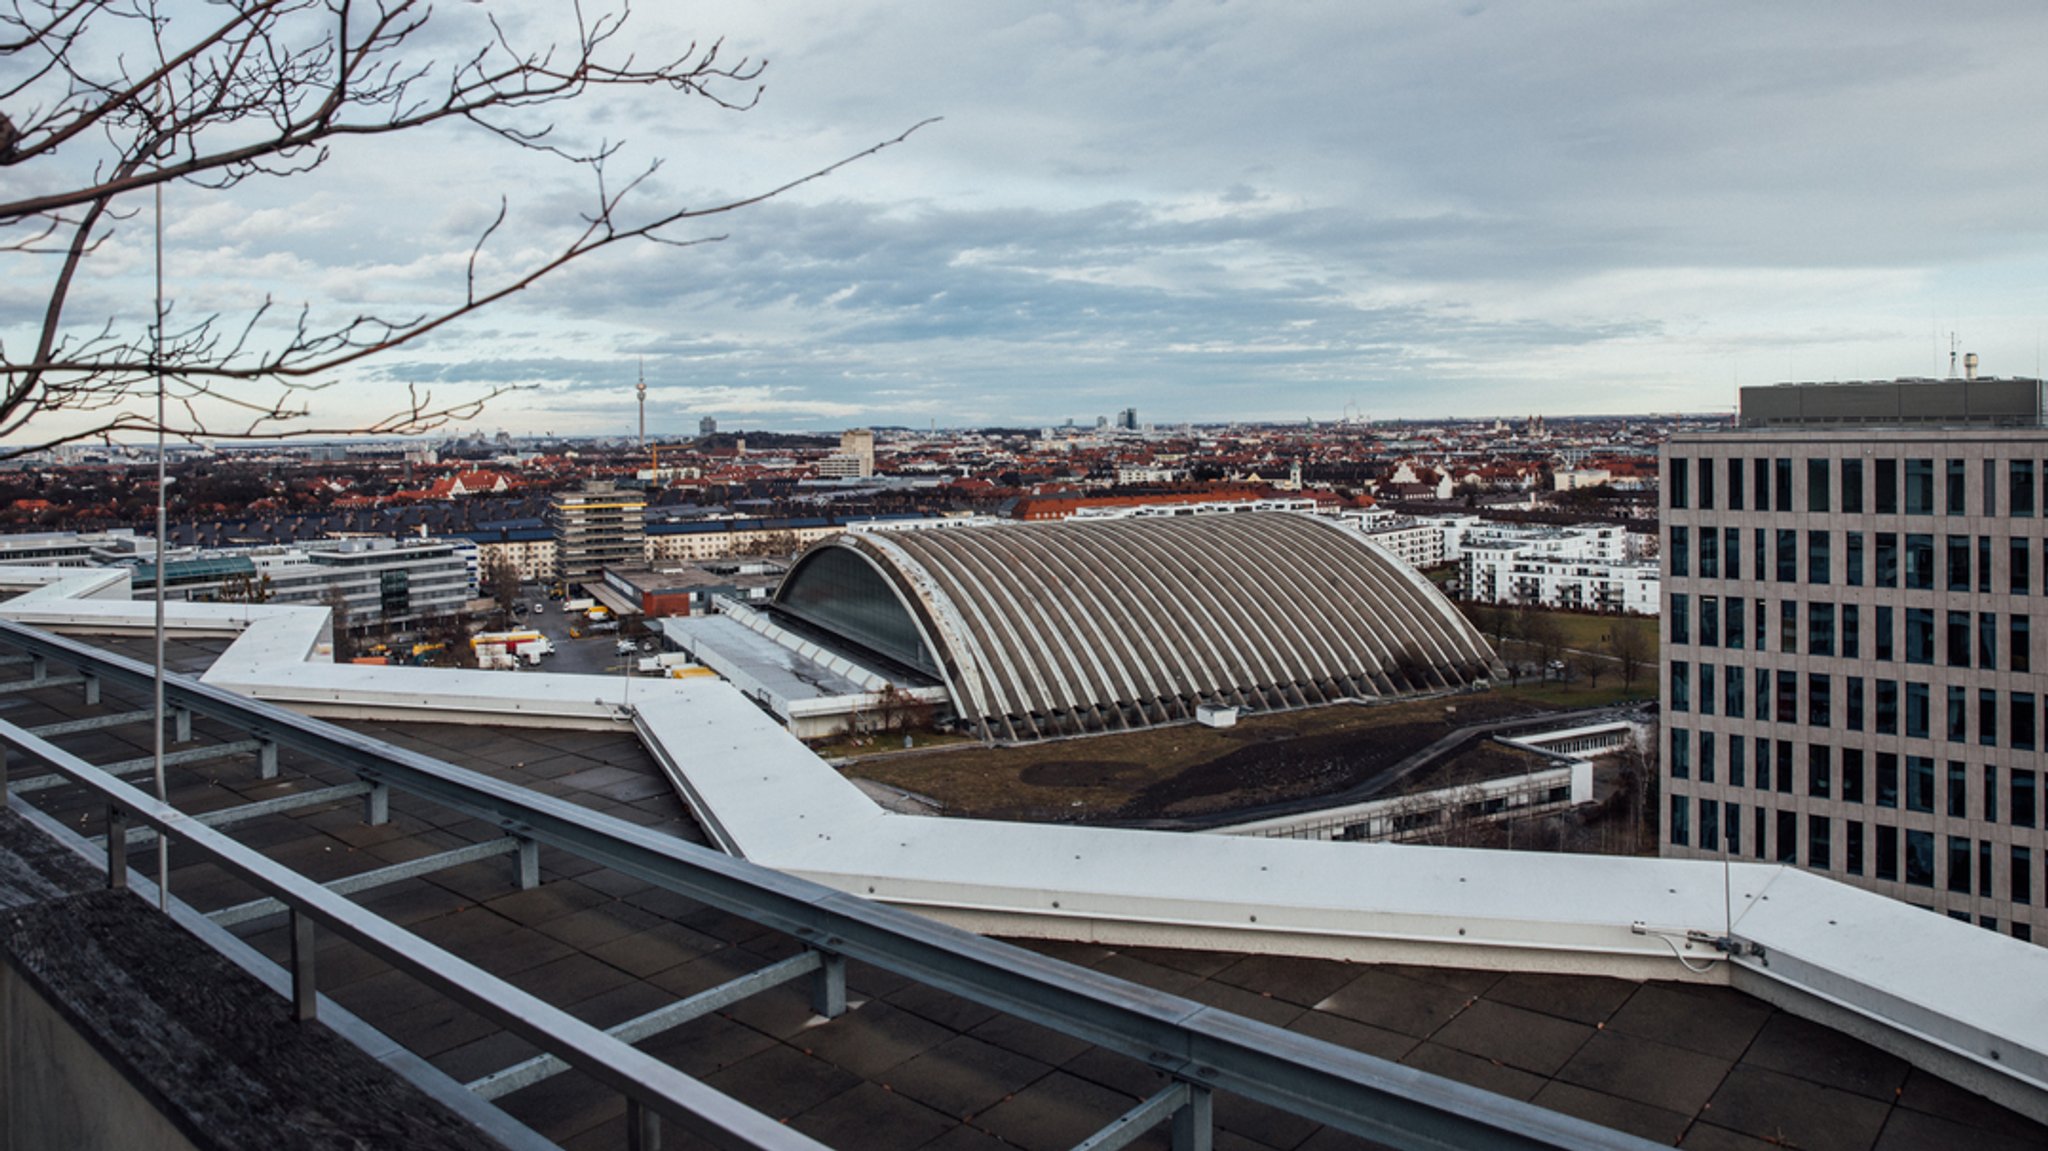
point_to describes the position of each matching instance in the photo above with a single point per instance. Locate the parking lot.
(592, 654)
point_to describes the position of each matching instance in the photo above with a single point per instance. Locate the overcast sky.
(1219, 211)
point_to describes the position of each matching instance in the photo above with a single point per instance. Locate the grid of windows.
(1874, 710)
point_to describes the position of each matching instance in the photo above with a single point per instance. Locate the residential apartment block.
(595, 528)
(1852, 676)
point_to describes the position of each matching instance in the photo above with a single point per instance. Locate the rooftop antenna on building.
(1952, 346)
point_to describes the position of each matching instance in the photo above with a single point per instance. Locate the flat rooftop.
(908, 1066)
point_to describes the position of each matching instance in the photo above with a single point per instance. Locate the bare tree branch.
(270, 88)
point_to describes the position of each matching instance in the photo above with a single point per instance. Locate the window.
(1984, 564)
(1820, 629)
(1852, 487)
(1819, 699)
(1735, 485)
(1852, 559)
(1763, 485)
(1788, 837)
(1788, 697)
(1958, 791)
(1957, 726)
(1852, 847)
(2022, 714)
(1919, 562)
(1887, 559)
(1759, 605)
(1733, 636)
(1987, 717)
(2019, 645)
(1710, 621)
(1990, 487)
(1819, 850)
(2018, 580)
(1987, 640)
(1984, 877)
(1706, 692)
(1955, 473)
(1852, 632)
(1738, 770)
(1788, 555)
(1958, 563)
(1887, 852)
(1763, 695)
(1959, 863)
(1706, 763)
(1919, 784)
(1731, 550)
(1788, 625)
(1817, 564)
(1820, 773)
(1679, 472)
(1887, 476)
(1706, 485)
(1917, 707)
(1817, 486)
(1919, 488)
(1852, 775)
(1991, 795)
(1680, 551)
(1681, 617)
(1763, 763)
(1920, 858)
(2020, 885)
(1781, 483)
(1710, 554)
(1756, 542)
(1919, 635)
(1734, 829)
(1681, 685)
(1852, 700)
(1681, 753)
(1884, 631)
(1681, 820)
(1784, 781)
(2021, 804)
(1958, 637)
(1887, 784)
(1710, 825)
(2019, 493)
(1887, 707)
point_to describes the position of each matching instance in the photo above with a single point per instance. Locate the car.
(539, 606)
(627, 647)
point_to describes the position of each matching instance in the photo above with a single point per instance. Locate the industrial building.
(1853, 673)
(1103, 624)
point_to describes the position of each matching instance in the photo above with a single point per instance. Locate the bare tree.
(501, 575)
(1591, 666)
(109, 100)
(1630, 648)
(1542, 632)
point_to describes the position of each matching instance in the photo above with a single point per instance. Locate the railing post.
(92, 690)
(117, 848)
(38, 668)
(305, 992)
(183, 716)
(643, 1127)
(3, 775)
(828, 986)
(529, 863)
(1194, 1126)
(266, 758)
(377, 804)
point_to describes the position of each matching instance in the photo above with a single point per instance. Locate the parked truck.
(515, 645)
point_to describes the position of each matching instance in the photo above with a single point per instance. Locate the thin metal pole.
(163, 842)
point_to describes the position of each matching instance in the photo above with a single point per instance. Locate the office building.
(855, 458)
(596, 527)
(1852, 676)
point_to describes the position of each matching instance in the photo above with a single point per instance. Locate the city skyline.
(1208, 214)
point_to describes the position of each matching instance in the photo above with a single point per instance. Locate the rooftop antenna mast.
(1952, 346)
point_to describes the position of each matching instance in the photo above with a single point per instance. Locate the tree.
(1542, 632)
(501, 576)
(1630, 647)
(1591, 666)
(109, 101)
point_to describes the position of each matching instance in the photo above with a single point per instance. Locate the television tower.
(642, 389)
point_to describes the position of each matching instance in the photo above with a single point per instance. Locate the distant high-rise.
(1127, 419)
(855, 458)
(596, 528)
(707, 426)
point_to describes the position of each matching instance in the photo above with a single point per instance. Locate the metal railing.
(1200, 1049)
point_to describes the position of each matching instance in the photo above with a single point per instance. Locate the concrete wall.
(58, 1093)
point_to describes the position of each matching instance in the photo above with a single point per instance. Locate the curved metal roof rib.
(1050, 629)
